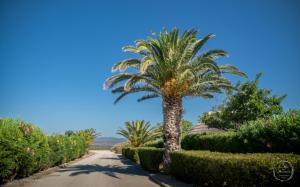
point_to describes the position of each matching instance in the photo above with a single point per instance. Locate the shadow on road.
(124, 166)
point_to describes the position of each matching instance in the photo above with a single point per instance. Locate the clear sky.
(55, 55)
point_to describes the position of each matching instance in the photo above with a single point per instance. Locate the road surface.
(104, 168)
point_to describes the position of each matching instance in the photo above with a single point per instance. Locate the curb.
(167, 180)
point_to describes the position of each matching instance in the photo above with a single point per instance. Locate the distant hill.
(106, 142)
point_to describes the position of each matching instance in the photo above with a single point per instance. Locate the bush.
(57, 155)
(220, 169)
(117, 148)
(246, 103)
(150, 158)
(156, 144)
(131, 153)
(25, 149)
(223, 142)
(280, 133)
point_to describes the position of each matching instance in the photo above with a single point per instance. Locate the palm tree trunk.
(172, 112)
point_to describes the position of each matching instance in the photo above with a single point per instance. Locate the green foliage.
(280, 133)
(150, 158)
(214, 119)
(58, 150)
(170, 65)
(131, 153)
(223, 142)
(185, 127)
(206, 168)
(69, 133)
(88, 135)
(25, 149)
(139, 132)
(248, 102)
(156, 144)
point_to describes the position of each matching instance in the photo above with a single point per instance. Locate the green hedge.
(219, 169)
(25, 149)
(157, 144)
(280, 134)
(150, 158)
(131, 153)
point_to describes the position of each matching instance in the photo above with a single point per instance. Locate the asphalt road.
(104, 168)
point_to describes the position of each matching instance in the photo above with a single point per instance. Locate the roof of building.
(202, 128)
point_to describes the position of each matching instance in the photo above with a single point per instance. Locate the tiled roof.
(201, 128)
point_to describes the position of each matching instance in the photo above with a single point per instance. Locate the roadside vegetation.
(171, 67)
(246, 102)
(257, 134)
(139, 132)
(26, 149)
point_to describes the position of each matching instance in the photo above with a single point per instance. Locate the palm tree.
(138, 132)
(171, 67)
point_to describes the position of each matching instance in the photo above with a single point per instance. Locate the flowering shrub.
(25, 149)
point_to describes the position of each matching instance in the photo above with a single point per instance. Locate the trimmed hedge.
(25, 149)
(150, 158)
(220, 169)
(131, 153)
(280, 134)
(156, 144)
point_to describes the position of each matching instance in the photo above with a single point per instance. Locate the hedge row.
(131, 153)
(206, 168)
(280, 134)
(25, 149)
(156, 144)
(149, 158)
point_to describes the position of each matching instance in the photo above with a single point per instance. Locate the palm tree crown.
(171, 66)
(139, 132)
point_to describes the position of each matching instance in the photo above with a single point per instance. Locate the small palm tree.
(138, 132)
(171, 67)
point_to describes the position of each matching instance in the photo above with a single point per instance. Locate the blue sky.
(55, 55)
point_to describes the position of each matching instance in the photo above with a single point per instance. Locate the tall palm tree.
(171, 67)
(138, 132)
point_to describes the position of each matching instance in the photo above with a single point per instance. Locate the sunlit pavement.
(104, 168)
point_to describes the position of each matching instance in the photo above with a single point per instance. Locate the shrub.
(280, 133)
(11, 147)
(150, 158)
(131, 153)
(220, 169)
(156, 144)
(223, 142)
(248, 102)
(57, 154)
(117, 148)
(25, 149)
